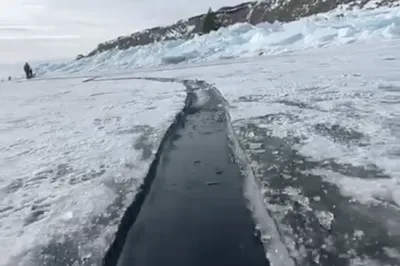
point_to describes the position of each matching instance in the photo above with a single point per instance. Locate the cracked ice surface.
(72, 156)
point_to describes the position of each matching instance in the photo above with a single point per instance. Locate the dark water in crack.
(194, 213)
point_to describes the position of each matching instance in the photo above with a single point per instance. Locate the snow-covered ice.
(72, 157)
(319, 129)
(344, 100)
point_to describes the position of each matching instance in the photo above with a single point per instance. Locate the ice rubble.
(244, 40)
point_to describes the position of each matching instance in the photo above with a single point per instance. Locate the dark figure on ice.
(28, 71)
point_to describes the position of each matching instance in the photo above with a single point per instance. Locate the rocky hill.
(251, 12)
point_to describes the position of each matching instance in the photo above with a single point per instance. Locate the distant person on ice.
(28, 71)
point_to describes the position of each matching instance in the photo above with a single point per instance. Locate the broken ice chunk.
(325, 219)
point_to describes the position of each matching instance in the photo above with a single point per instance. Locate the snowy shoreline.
(244, 40)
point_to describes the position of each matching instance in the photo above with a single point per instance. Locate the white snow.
(339, 101)
(364, 190)
(68, 155)
(244, 40)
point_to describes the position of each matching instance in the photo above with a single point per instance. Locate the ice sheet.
(321, 131)
(340, 106)
(72, 156)
(320, 127)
